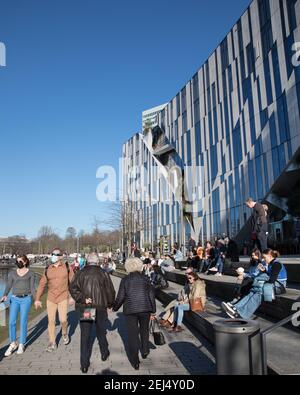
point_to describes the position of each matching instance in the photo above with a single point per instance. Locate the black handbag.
(158, 336)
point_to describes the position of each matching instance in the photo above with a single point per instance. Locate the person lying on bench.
(271, 281)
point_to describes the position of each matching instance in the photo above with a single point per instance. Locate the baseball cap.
(240, 270)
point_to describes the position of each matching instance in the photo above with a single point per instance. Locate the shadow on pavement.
(107, 372)
(37, 331)
(73, 320)
(192, 358)
(120, 325)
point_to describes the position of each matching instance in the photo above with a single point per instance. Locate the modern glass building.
(150, 116)
(232, 132)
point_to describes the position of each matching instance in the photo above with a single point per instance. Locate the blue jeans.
(220, 265)
(178, 312)
(249, 304)
(17, 305)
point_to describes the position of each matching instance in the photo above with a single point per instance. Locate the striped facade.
(236, 124)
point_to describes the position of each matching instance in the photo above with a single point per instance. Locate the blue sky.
(79, 73)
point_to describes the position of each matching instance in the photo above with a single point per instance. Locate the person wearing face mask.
(57, 277)
(21, 283)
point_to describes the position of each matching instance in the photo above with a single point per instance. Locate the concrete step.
(292, 265)
(223, 288)
(283, 345)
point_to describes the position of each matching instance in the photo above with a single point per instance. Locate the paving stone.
(183, 354)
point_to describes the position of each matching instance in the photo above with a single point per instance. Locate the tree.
(71, 233)
(71, 240)
(48, 240)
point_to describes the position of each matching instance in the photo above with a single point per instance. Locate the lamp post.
(79, 235)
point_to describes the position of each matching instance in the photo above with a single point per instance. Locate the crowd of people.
(86, 282)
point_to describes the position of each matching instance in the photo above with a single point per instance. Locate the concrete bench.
(283, 345)
(223, 288)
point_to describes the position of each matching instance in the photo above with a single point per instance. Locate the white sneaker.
(213, 269)
(218, 274)
(12, 347)
(21, 349)
(229, 308)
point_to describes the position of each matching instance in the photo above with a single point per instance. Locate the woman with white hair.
(137, 297)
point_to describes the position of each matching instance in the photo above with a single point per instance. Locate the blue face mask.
(54, 259)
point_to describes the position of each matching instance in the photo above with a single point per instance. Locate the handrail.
(263, 339)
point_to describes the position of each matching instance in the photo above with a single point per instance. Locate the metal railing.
(263, 339)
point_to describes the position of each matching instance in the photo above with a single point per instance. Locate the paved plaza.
(183, 354)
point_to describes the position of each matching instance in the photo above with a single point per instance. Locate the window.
(184, 122)
(188, 148)
(230, 190)
(176, 130)
(230, 82)
(276, 71)
(214, 161)
(259, 176)
(258, 149)
(292, 14)
(268, 82)
(178, 105)
(208, 100)
(195, 87)
(198, 145)
(267, 38)
(224, 84)
(183, 100)
(281, 157)
(283, 122)
(250, 58)
(238, 196)
(207, 74)
(273, 135)
(266, 172)
(251, 179)
(240, 36)
(224, 54)
(264, 12)
(196, 111)
(275, 162)
(237, 145)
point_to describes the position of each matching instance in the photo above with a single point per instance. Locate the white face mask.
(54, 259)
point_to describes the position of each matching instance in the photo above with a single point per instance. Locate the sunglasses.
(56, 254)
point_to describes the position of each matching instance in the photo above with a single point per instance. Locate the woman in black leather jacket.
(137, 297)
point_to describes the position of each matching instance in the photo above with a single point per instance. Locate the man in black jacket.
(92, 288)
(137, 297)
(259, 223)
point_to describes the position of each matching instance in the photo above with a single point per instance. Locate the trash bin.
(238, 348)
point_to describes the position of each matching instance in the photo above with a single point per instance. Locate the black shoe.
(136, 366)
(84, 370)
(105, 356)
(144, 356)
